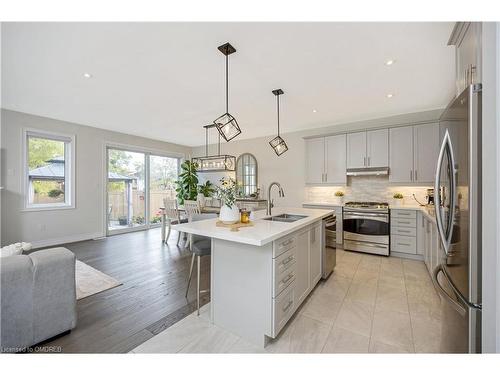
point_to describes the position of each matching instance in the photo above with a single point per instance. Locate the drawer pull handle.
(404, 231)
(287, 279)
(404, 222)
(288, 306)
(288, 260)
(403, 244)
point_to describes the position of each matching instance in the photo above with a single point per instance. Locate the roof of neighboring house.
(54, 170)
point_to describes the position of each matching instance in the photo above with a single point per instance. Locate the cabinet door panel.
(315, 160)
(303, 279)
(401, 154)
(377, 148)
(356, 150)
(426, 146)
(335, 151)
(315, 255)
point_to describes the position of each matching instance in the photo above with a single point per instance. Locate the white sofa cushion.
(14, 249)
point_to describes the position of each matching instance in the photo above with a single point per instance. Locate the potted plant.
(187, 184)
(339, 195)
(226, 192)
(123, 220)
(205, 190)
(398, 199)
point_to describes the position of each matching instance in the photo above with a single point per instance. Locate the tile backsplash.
(366, 188)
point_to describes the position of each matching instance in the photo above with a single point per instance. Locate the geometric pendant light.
(226, 124)
(278, 144)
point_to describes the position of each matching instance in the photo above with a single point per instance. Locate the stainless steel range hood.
(370, 171)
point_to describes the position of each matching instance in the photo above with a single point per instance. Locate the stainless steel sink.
(285, 218)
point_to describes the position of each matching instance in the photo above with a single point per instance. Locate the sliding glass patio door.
(137, 183)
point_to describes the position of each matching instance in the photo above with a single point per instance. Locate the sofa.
(38, 297)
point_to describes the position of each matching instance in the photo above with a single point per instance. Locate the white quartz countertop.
(262, 232)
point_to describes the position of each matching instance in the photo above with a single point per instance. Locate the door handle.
(445, 239)
(368, 161)
(456, 306)
(411, 175)
(416, 178)
(364, 161)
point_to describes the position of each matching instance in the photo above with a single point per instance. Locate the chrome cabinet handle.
(368, 161)
(404, 231)
(416, 178)
(287, 260)
(287, 279)
(326, 177)
(404, 222)
(403, 244)
(411, 175)
(364, 161)
(288, 306)
(456, 306)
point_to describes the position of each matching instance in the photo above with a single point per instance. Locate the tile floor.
(370, 304)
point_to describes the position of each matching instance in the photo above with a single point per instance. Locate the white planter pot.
(340, 201)
(398, 202)
(229, 215)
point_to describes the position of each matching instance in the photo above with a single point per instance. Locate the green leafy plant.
(398, 196)
(226, 192)
(54, 193)
(339, 193)
(187, 184)
(206, 189)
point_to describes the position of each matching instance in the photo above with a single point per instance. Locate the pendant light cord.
(278, 101)
(227, 80)
(206, 141)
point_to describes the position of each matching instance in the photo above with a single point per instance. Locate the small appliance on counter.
(430, 196)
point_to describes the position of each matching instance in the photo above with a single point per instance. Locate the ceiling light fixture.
(87, 75)
(390, 62)
(314, 111)
(278, 144)
(390, 95)
(226, 124)
(214, 163)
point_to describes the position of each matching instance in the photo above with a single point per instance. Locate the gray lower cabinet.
(404, 231)
(296, 271)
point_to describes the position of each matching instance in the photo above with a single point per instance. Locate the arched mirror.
(246, 174)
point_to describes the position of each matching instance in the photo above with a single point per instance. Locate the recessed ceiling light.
(314, 111)
(390, 62)
(390, 95)
(87, 75)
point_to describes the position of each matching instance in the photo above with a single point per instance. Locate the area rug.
(90, 281)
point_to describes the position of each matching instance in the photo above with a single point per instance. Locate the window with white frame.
(49, 170)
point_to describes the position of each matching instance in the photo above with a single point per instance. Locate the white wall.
(289, 168)
(86, 221)
(491, 184)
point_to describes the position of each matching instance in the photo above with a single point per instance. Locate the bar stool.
(200, 246)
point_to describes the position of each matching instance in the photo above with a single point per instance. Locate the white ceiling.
(166, 80)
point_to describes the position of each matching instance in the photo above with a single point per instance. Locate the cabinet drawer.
(283, 244)
(282, 281)
(408, 214)
(400, 222)
(283, 308)
(284, 261)
(403, 244)
(403, 231)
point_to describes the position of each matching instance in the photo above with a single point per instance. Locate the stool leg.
(198, 286)
(190, 274)
(169, 230)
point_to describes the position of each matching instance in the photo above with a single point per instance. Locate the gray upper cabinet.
(377, 148)
(356, 150)
(326, 160)
(466, 36)
(401, 154)
(335, 159)
(315, 160)
(413, 153)
(426, 152)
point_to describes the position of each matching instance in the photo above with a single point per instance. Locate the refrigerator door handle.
(456, 306)
(441, 291)
(446, 145)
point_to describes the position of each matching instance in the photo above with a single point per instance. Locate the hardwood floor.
(151, 299)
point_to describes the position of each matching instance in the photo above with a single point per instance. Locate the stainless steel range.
(366, 227)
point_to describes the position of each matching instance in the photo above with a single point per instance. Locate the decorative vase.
(201, 198)
(229, 215)
(340, 200)
(398, 201)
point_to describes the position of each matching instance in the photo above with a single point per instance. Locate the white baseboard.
(67, 239)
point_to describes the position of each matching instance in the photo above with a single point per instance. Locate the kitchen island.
(261, 274)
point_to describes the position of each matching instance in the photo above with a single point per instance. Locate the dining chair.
(200, 246)
(191, 208)
(171, 216)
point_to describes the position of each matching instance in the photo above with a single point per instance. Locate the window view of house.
(46, 171)
(163, 174)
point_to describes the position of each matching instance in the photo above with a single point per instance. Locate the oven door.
(367, 227)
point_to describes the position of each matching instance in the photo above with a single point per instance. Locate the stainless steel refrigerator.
(458, 217)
